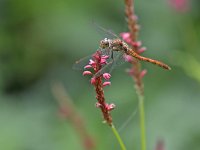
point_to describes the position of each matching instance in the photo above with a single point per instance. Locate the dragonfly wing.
(106, 52)
(118, 59)
(80, 64)
(106, 69)
(105, 32)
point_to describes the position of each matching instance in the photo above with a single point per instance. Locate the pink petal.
(106, 76)
(128, 58)
(110, 107)
(105, 57)
(136, 44)
(143, 73)
(87, 67)
(103, 61)
(125, 35)
(141, 50)
(92, 62)
(93, 80)
(87, 73)
(128, 40)
(106, 83)
(97, 105)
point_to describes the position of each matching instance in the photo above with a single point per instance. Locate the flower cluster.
(93, 67)
(96, 64)
(126, 36)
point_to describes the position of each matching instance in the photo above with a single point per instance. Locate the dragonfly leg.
(112, 56)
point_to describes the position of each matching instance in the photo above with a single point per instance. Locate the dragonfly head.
(105, 43)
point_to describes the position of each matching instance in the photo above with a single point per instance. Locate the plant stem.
(140, 93)
(118, 137)
(142, 122)
(134, 29)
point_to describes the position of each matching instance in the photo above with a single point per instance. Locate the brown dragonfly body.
(119, 45)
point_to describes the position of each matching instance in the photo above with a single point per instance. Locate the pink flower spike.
(143, 73)
(128, 58)
(141, 50)
(93, 80)
(110, 107)
(106, 76)
(87, 73)
(106, 83)
(87, 67)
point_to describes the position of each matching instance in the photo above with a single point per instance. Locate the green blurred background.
(41, 39)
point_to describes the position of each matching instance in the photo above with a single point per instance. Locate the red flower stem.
(100, 93)
(132, 21)
(98, 84)
(101, 99)
(134, 28)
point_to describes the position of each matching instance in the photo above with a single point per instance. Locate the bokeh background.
(41, 39)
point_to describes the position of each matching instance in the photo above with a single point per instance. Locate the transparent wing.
(128, 120)
(80, 64)
(105, 32)
(118, 58)
(114, 62)
(106, 51)
(106, 69)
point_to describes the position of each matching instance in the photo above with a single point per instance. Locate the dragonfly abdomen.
(156, 62)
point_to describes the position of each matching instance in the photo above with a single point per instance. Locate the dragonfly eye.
(104, 43)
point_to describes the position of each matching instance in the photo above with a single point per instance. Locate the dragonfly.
(116, 48)
(121, 46)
